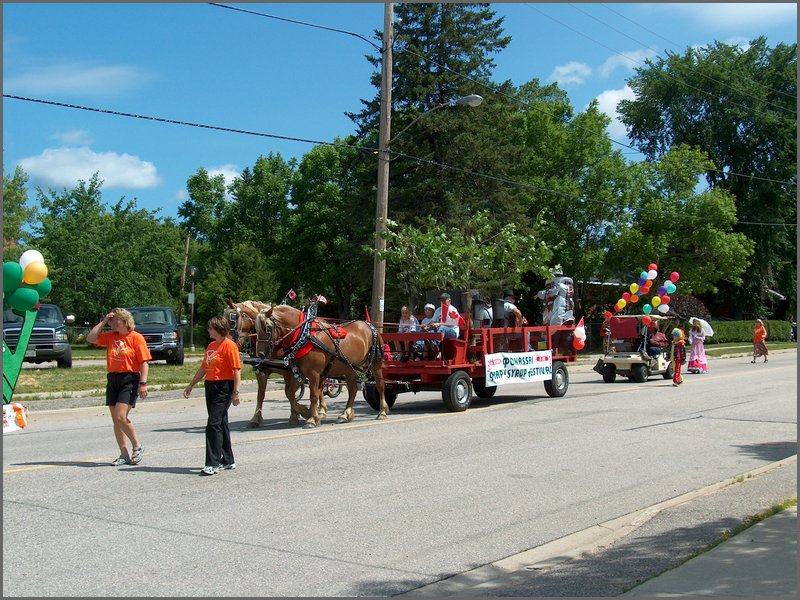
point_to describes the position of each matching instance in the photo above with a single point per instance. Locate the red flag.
(291, 294)
(366, 310)
(322, 299)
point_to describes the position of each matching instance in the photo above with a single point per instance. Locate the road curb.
(517, 568)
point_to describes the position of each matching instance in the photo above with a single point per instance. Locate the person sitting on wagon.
(431, 345)
(656, 340)
(511, 314)
(408, 324)
(446, 319)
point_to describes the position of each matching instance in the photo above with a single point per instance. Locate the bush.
(742, 331)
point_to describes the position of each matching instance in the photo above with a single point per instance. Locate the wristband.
(142, 383)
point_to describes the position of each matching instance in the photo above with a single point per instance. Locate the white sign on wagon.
(518, 367)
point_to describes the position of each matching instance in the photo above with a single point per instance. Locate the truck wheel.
(482, 390)
(457, 392)
(557, 386)
(639, 373)
(371, 396)
(609, 373)
(178, 360)
(65, 362)
(670, 372)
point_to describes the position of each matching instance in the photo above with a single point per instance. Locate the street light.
(192, 274)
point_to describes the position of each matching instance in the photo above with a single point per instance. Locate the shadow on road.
(770, 451)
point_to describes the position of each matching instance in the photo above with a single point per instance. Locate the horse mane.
(253, 307)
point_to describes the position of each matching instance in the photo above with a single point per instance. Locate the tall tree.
(16, 213)
(738, 105)
(200, 214)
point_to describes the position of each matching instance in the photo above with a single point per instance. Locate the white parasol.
(708, 331)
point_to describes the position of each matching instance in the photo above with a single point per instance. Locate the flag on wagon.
(291, 293)
(322, 299)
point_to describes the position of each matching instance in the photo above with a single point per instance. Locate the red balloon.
(578, 343)
(665, 299)
(647, 320)
(607, 314)
(674, 276)
(626, 296)
(652, 267)
(617, 308)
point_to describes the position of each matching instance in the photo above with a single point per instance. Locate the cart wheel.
(457, 392)
(639, 373)
(333, 388)
(371, 396)
(670, 372)
(558, 385)
(609, 373)
(482, 390)
(298, 395)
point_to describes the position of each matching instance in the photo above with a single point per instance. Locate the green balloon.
(23, 299)
(43, 287)
(12, 277)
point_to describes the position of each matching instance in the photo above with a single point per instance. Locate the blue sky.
(204, 64)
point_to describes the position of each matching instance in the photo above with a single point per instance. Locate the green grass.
(43, 381)
(745, 348)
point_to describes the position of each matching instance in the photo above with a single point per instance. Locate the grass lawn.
(743, 348)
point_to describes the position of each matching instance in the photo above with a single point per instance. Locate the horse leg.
(377, 371)
(314, 392)
(290, 388)
(352, 388)
(261, 378)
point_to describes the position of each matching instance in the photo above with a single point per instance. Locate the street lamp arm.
(471, 100)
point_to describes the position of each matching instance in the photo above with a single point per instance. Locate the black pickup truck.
(48, 338)
(162, 332)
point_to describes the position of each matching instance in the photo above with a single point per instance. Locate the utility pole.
(381, 209)
(183, 277)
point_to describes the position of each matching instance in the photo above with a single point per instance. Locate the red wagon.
(459, 369)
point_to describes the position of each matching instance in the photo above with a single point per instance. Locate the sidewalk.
(759, 561)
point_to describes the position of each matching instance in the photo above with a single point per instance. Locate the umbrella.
(708, 331)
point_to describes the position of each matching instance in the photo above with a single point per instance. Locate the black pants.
(218, 434)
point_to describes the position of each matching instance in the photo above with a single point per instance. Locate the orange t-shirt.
(759, 334)
(221, 360)
(124, 353)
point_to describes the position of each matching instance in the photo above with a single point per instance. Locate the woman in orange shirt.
(759, 335)
(222, 370)
(126, 362)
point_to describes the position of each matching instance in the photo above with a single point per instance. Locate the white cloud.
(65, 166)
(77, 78)
(74, 137)
(752, 14)
(607, 102)
(181, 195)
(228, 171)
(572, 72)
(628, 60)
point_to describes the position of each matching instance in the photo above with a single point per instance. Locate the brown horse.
(320, 350)
(241, 318)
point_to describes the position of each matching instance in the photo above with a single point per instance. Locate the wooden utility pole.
(183, 276)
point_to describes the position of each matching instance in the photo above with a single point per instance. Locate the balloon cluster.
(25, 282)
(641, 288)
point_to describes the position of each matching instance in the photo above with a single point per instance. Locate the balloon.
(34, 273)
(656, 301)
(642, 281)
(643, 275)
(30, 256)
(662, 290)
(663, 308)
(634, 299)
(23, 299)
(617, 308)
(674, 276)
(634, 287)
(578, 343)
(665, 299)
(621, 303)
(43, 287)
(647, 309)
(606, 314)
(12, 277)
(652, 267)
(647, 320)
(652, 274)
(626, 296)
(671, 287)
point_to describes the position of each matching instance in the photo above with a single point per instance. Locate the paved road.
(385, 508)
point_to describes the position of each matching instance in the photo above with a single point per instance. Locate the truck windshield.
(46, 314)
(153, 317)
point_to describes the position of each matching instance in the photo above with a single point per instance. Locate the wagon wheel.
(371, 396)
(457, 392)
(482, 390)
(609, 373)
(557, 386)
(333, 387)
(298, 395)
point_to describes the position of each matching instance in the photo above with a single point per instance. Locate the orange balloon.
(634, 298)
(34, 273)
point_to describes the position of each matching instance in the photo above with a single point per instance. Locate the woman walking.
(697, 355)
(222, 370)
(126, 362)
(759, 335)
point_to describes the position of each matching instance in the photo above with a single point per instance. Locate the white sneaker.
(208, 471)
(229, 467)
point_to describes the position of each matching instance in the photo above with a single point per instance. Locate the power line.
(356, 147)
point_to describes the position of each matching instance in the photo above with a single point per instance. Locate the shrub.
(742, 331)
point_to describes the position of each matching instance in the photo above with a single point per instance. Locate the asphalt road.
(380, 508)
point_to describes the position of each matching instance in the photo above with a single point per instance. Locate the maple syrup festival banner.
(518, 367)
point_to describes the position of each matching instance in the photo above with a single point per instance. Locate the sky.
(204, 64)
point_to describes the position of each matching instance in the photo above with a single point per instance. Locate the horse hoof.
(253, 424)
(309, 425)
(382, 416)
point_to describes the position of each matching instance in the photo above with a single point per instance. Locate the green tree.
(200, 214)
(16, 213)
(738, 105)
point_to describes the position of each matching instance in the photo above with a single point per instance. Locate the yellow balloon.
(634, 288)
(621, 303)
(35, 272)
(655, 301)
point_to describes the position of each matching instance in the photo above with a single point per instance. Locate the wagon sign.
(518, 367)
